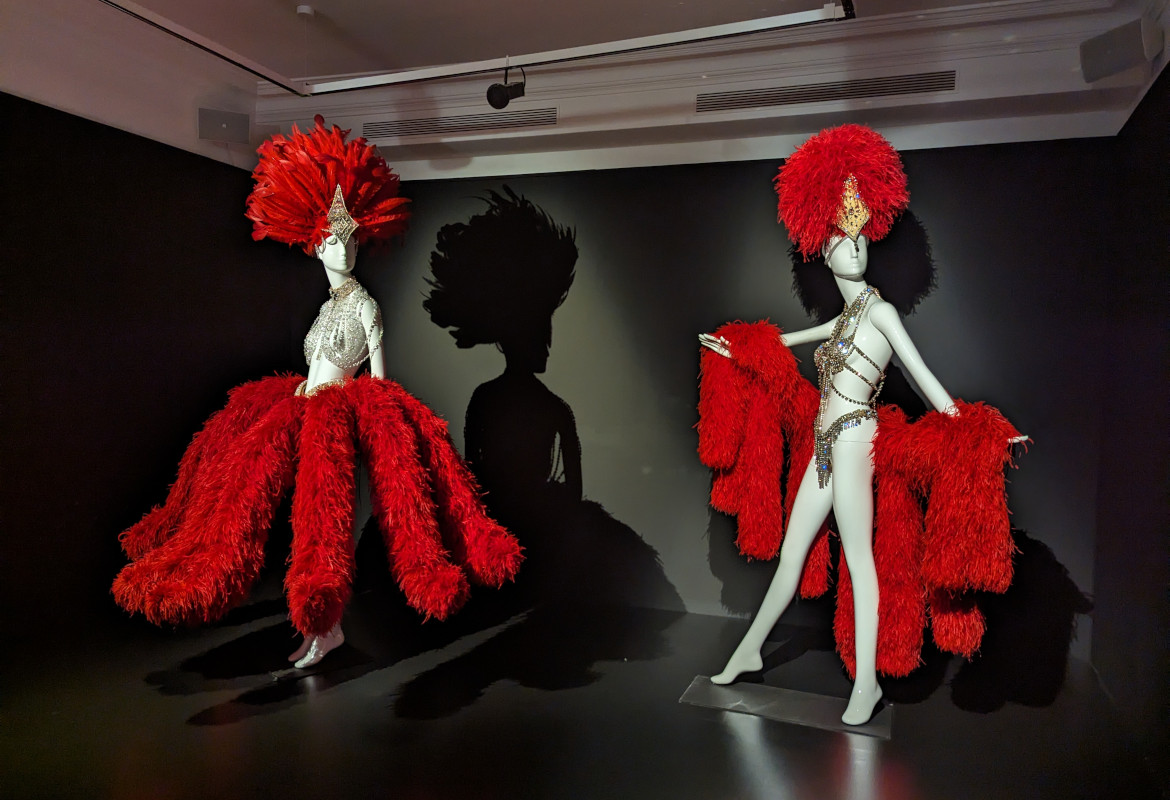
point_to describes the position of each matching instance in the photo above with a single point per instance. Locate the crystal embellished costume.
(198, 554)
(832, 357)
(761, 424)
(756, 415)
(338, 334)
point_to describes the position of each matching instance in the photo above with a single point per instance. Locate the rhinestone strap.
(831, 358)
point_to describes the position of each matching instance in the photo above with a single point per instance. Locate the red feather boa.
(756, 416)
(198, 555)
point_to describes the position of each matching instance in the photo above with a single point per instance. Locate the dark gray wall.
(1131, 640)
(133, 298)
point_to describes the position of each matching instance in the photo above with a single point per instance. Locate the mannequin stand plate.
(785, 705)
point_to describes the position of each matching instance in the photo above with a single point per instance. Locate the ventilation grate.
(463, 123)
(919, 83)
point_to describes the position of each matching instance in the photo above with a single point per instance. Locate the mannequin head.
(847, 259)
(337, 257)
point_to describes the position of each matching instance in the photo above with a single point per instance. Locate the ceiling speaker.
(223, 126)
(1130, 45)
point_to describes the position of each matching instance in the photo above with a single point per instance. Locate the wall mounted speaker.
(223, 126)
(1122, 48)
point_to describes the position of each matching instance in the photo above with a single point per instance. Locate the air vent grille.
(463, 123)
(919, 83)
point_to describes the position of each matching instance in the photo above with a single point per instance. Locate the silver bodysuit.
(831, 358)
(340, 332)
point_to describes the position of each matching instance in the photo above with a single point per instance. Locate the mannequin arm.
(372, 322)
(885, 318)
(817, 334)
(723, 347)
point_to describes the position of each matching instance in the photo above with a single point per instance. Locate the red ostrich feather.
(200, 553)
(295, 182)
(927, 563)
(810, 183)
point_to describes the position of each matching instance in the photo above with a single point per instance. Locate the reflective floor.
(566, 704)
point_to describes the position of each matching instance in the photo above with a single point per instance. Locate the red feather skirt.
(198, 555)
(941, 528)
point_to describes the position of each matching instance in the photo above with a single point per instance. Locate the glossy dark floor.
(575, 704)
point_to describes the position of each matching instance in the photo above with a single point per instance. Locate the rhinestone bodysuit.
(831, 358)
(339, 331)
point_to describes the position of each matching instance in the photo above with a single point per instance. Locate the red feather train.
(197, 555)
(756, 416)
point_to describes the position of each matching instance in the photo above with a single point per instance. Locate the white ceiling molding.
(1011, 69)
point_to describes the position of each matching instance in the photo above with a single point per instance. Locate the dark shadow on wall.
(901, 267)
(498, 279)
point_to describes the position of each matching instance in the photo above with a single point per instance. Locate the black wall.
(133, 298)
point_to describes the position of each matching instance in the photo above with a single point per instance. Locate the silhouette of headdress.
(501, 272)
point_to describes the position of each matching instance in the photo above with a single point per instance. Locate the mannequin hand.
(716, 343)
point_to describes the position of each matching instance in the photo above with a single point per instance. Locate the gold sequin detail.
(304, 392)
(341, 224)
(853, 214)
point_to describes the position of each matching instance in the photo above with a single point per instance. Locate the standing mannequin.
(338, 257)
(848, 492)
(346, 446)
(838, 191)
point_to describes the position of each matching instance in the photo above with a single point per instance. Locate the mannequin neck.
(849, 289)
(337, 278)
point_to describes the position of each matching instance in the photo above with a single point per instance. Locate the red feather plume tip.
(810, 184)
(296, 179)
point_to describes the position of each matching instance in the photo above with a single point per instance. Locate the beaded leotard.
(338, 334)
(831, 358)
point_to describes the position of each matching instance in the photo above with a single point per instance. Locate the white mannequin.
(339, 259)
(849, 492)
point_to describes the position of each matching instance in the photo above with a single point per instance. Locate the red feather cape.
(756, 417)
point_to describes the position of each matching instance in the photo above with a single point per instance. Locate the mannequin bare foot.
(300, 651)
(861, 705)
(737, 665)
(318, 646)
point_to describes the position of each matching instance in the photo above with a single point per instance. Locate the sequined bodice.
(338, 334)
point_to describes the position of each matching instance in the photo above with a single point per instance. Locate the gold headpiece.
(341, 224)
(853, 214)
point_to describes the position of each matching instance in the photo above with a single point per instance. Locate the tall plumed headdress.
(843, 181)
(311, 184)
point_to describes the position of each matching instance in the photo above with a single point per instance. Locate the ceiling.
(927, 73)
(354, 36)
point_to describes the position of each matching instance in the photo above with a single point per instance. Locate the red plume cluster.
(295, 182)
(811, 181)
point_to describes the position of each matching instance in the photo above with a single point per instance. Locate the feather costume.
(755, 428)
(197, 555)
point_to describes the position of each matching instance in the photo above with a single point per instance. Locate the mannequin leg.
(314, 648)
(809, 510)
(852, 489)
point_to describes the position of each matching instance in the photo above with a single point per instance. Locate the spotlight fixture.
(500, 94)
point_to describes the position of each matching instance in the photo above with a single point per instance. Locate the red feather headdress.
(298, 176)
(833, 180)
